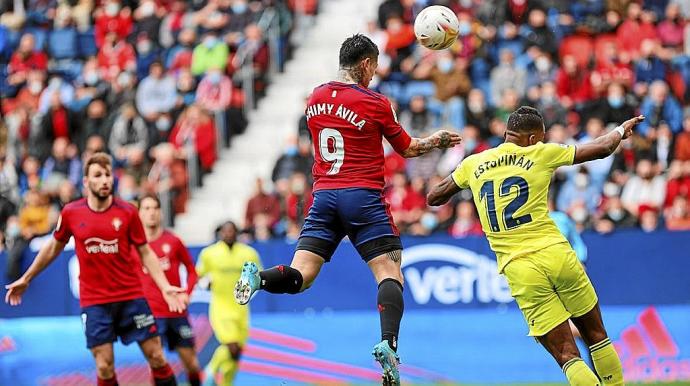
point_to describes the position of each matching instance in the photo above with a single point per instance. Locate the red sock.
(194, 379)
(107, 382)
(163, 376)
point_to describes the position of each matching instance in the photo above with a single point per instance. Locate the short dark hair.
(99, 158)
(355, 48)
(525, 120)
(151, 197)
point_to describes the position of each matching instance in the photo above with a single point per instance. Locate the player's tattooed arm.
(442, 192)
(441, 139)
(606, 144)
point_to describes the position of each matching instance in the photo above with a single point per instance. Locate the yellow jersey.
(223, 266)
(510, 185)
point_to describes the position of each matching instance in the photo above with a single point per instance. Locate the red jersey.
(171, 253)
(347, 123)
(103, 242)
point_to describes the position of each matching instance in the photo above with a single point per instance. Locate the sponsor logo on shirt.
(97, 245)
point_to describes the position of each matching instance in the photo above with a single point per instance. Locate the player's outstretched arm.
(46, 255)
(174, 296)
(442, 192)
(606, 144)
(441, 139)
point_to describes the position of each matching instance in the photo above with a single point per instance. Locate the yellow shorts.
(229, 327)
(550, 286)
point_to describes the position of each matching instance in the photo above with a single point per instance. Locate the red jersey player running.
(105, 229)
(348, 122)
(174, 329)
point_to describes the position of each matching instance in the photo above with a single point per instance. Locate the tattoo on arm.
(396, 255)
(420, 146)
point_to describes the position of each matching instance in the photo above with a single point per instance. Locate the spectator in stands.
(509, 101)
(612, 66)
(478, 113)
(615, 216)
(175, 24)
(540, 71)
(61, 165)
(659, 106)
(400, 40)
(127, 188)
(578, 192)
(678, 183)
(417, 119)
(156, 94)
(405, 203)
(25, 59)
(148, 53)
(210, 53)
(9, 191)
(466, 221)
(262, 204)
(637, 27)
(299, 200)
(549, 105)
(508, 76)
(195, 130)
(296, 157)
(671, 29)
(96, 122)
(573, 84)
(123, 91)
(179, 56)
(147, 21)
(168, 177)
(649, 67)
(129, 136)
(682, 145)
(34, 220)
(112, 18)
(614, 108)
(678, 215)
(90, 85)
(115, 56)
(644, 188)
(28, 96)
(598, 170)
(537, 33)
(58, 122)
(214, 91)
(57, 85)
(648, 218)
(253, 50)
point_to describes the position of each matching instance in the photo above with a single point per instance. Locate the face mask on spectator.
(542, 64)
(291, 150)
(127, 195)
(239, 8)
(35, 87)
(429, 221)
(214, 77)
(147, 9)
(297, 187)
(465, 28)
(112, 9)
(475, 107)
(91, 78)
(144, 46)
(445, 65)
(124, 79)
(616, 214)
(616, 101)
(470, 144)
(579, 215)
(12, 230)
(163, 123)
(210, 42)
(611, 189)
(581, 180)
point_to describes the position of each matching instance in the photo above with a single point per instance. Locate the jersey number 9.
(332, 149)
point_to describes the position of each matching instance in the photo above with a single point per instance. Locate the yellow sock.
(579, 374)
(228, 369)
(607, 363)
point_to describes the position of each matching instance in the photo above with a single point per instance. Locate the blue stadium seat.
(40, 37)
(87, 44)
(62, 44)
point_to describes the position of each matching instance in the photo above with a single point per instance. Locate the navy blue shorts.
(361, 214)
(175, 332)
(131, 320)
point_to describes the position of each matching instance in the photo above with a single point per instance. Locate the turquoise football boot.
(389, 361)
(248, 283)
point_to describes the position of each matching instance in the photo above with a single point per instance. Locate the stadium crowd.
(587, 65)
(161, 85)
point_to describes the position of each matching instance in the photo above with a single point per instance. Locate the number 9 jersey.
(347, 124)
(510, 185)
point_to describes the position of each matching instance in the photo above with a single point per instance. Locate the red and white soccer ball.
(436, 27)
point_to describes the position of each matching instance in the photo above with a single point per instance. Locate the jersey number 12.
(510, 222)
(337, 155)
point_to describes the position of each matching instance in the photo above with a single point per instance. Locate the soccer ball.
(436, 27)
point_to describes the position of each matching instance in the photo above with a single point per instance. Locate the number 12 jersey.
(510, 186)
(347, 124)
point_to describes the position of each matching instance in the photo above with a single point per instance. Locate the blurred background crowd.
(164, 85)
(161, 85)
(587, 65)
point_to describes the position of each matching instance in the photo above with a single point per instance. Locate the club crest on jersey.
(166, 248)
(117, 223)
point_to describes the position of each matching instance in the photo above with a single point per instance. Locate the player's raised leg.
(604, 355)
(386, 270)
(105, 364)
(560, 343)
(161, 371)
